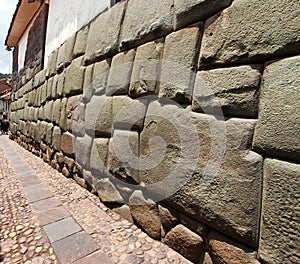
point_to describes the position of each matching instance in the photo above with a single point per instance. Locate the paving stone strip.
(51, 219)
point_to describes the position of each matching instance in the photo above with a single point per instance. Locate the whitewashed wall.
(67, 17)
(22, 48)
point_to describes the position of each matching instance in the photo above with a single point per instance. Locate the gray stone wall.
(182, 116)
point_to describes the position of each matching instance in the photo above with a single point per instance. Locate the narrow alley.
(47, 218)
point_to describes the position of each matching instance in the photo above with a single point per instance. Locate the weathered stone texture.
(184, 241)
(87, 85)
(60, 57)
(277, 130)
(195, 226)
(80, 43)
(70, 112)
(179, 64)
(48, 111)
(100, 75)
(169, 217)
(56, 111)
(63, 117)
(128, 114)
(124, 211)
(192, 11)
(123, 159)
(145, 21)
(56, 138)
(103, 39)
(145, 213)
(73, 83)
(107, 191)
(68, 143)
(51, 69)
(120, 73)
(68, 54)
(224, 250)
(168, 149)
(48, 138)
(280, 231)
(83, 150)
(98, 158)
(234, 90)
(225, 189)
(251, 30)
(60, 85)
(146, 67)
(78, 120)
(98, 119)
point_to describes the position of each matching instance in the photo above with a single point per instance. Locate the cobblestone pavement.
(47, 218)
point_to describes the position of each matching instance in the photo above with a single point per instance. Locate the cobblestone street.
(47, 218)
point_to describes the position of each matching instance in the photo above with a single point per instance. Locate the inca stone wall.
(182, 116)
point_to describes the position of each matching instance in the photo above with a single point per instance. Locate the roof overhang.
(24, 13)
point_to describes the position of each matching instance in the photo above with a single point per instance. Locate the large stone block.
(277, 130)
(65, 53)
(83, 151)
(43, 131)
(128, 114)
(280, 230)
(68, 54)
(48, 138)
(234, 90)
(145, 212)
(145, 21)
(48, 111)
(68, 144)
(49, 89)
(39, 78)
(73, 83)
(54, 87)
(224, 190)
(186, 242)
(120, 73)
(60, 57)
(60, 84)
(251, 31)
(192, 11)
(56, 138)
(87, 84)
(43, 94)
(179, 64)
(98, 158)
(56, 112)
(80, 43)
(71, 108)
(104, 32)
(100, 75)
(145, 72)
(224, 250)
(123, 156)
(51, 69)
(168, 149)
(63, 114)
(78, 120)
(98, 116)
(107, 191)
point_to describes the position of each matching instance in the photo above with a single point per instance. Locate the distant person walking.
(5, 125)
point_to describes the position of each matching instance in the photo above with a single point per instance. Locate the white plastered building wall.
(22, 48)
(68, 16)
